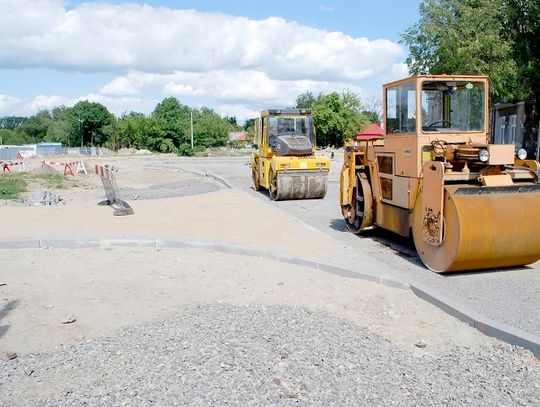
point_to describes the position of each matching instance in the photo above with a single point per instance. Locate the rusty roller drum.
(299, 185)
(483, 228)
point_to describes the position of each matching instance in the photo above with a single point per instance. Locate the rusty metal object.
(478, 231)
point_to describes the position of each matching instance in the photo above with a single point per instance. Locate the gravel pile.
(265, 355)
(179, 188)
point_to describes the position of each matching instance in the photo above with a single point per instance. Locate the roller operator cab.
(285, 162)
(468, 204)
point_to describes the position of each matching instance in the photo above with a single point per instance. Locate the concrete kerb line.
(480, 322)
(216, 246)
(211, 175)
(506, 333)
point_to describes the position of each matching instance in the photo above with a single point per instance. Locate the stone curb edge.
(480, 322)
(198, 244)
(501, 331)
(211, 175)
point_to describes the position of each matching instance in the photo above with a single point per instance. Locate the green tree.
(135, 130)
(60, 128)
(337, 117)
(522, 22)
(249, 123)
(210, 129)
(249, 128)
(35, 128)
(523, 19)
(11, 122)
(306, 100)
(174, 119)
(8, 136)
(463, 37)
(88, 120)
(232, 120)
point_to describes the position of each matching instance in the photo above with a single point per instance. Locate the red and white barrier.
(67, 168)
(106, 173)
(6, 165)
(104, 170)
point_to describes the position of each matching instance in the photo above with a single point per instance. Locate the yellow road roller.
(285, 162)
(468, 204)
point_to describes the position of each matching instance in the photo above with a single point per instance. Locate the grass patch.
(47, 179)
(12, 185)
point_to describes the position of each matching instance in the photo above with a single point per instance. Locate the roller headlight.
(483, 155)
(522, 153)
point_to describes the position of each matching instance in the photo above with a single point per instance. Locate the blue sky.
(234, 56)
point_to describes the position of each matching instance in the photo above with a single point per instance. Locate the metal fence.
(10, 152)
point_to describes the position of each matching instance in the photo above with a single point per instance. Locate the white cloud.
(10, 106)
(108, 37)
(42, 102)
(241, 112)
(7, 104)
(234, 64)
(226, 87)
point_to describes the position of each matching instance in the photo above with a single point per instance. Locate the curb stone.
(482, 323)
(478, 321)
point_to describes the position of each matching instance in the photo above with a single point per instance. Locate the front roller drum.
(481, 230)
(299, 185)
(359, 213)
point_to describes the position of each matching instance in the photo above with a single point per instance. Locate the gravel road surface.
(218, 354)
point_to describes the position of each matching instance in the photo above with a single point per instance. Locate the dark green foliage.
(232, 120)
(35, 128)
(87, 121)
(174, 120)
(13, 137)
(185, 150)
(210, 129)
(498, 38)
(337, 117)
(372, 117)
(249, 124)
(11, 122)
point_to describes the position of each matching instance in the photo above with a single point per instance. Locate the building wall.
(513, 123)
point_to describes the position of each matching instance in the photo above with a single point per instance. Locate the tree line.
(337, 117)
(166, 129)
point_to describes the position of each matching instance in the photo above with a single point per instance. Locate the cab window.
(401, 109)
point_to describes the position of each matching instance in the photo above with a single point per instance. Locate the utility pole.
(191, 114)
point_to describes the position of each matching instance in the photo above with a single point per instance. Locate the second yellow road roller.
(285, 162)
(469, 204)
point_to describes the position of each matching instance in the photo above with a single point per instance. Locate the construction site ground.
(73, 273)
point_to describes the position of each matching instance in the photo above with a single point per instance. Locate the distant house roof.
(372, 131)
(238, 136)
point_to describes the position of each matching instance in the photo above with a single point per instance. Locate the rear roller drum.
(273, 190)
(255, 178)
(359, 215)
